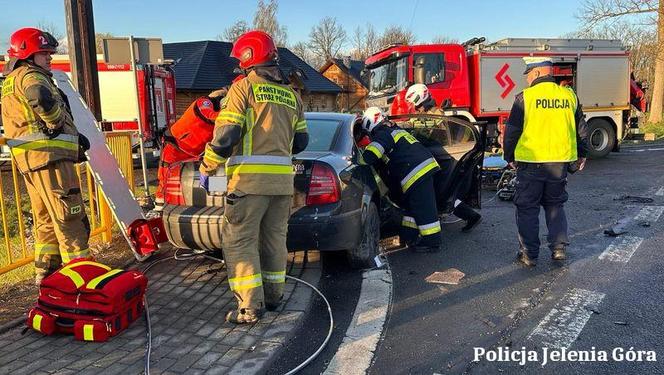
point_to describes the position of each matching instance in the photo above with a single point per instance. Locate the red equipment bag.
(91, 293)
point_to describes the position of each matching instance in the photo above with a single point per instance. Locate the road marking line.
(563, 324)
(621, 250)
(660, 192)
(645, 149)
(357, 349)
(650, 213)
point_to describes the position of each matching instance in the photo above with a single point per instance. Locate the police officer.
(44, 144)
(545, 135)
(420, 98)
(260, 126)
(413, 166)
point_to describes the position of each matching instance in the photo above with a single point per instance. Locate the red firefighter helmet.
(27, 41)
(254, 48)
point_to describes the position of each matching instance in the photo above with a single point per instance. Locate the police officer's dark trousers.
(421, 215)
(541, 184)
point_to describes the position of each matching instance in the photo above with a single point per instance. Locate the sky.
(176, 21)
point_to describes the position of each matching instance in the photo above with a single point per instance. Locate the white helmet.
(371, 117)
(417, 94)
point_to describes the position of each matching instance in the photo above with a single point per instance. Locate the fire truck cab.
(478, 81)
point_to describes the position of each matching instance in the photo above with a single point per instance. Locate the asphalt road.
(592, 302)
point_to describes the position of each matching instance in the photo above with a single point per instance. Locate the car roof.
(330, 116)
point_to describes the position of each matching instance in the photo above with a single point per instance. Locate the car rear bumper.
(328, 233)
(200, 228)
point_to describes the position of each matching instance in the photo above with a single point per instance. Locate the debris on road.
(621, 323)
(450, 276)
(633, 199)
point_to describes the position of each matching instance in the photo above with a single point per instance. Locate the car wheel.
(363, 256)
(601, 138)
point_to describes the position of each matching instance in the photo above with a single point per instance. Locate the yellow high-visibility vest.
(549, 128)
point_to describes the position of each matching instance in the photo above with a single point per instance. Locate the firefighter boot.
(523, 258)
(244, 316)
(558, 253)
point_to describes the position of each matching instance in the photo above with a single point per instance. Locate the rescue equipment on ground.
(89, 300)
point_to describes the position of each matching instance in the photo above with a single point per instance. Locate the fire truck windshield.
(389, 77)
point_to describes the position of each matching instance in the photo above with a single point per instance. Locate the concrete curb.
(298, 303)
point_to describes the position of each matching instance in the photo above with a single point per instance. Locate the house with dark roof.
(204, 66)
(347, 74)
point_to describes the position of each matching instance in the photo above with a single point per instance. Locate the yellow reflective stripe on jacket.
(232, 117)
(246, 282)
(52, 115)
(301, 126)
(39, 140)
(36, 322)
(248, 137)
(409, 222)
(68, 256)
(46, 249)
(212, 156)
(418, 172)
(376, 148)
(92, 284)
(274, 277)
(428, 229)
(549, 125)
(88, 332)
(398, 134)
(258, 168)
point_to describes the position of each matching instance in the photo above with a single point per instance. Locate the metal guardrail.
(15, 248)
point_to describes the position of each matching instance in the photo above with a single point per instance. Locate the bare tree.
(443, 39)
(265, 19)
(364, 42)
(396, 35)
(301, 50)
(234, 31)
(597, 12)
(327, 38)
(99, 37)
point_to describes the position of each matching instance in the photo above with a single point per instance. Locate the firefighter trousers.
(61, 227)
(254, 246)
(421, 215)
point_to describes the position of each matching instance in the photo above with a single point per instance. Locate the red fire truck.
(478, 81)
(153, 88)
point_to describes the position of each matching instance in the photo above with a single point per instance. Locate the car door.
(458, 146)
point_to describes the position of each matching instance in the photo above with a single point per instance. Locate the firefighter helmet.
(27, 41)
(254, 48)
(371, 117)
(417, 94)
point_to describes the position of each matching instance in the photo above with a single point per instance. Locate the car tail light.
(323, 186)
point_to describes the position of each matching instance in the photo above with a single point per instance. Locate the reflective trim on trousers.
(246, 282)
(259, 159)
(409, 222)
(274, 277)
(428, 229)
(46, 249)
(68, 256)
(417, 172)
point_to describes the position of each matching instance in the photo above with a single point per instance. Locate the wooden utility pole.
(83, 52)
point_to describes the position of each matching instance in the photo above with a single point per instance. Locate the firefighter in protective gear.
(420, 98)
(256, 133)
(44, 144)
(413, 166)
(545, 135)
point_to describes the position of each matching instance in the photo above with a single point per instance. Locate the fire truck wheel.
(602, 138)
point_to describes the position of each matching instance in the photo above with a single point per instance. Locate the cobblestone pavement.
(187, 301)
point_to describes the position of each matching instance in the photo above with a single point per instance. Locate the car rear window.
(321, 134)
